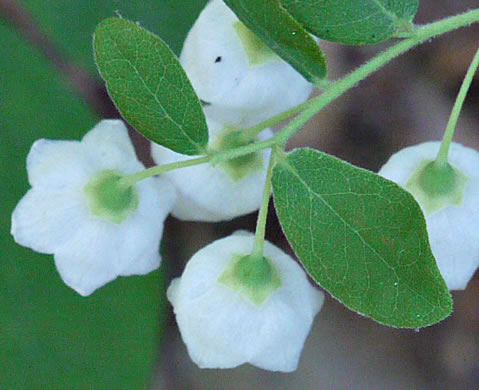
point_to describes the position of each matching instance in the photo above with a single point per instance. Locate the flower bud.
(242, 81)
(228, 317)
(449, 197)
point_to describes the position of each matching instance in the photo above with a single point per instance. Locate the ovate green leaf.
(353, 22)
(148, 85)
(283, 34)
(361, 237)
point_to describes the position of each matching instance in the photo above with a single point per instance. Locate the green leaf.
(361, 237)
(283, 34)
(52, 338)
(148, 85)
(70, 24)
(355, 22)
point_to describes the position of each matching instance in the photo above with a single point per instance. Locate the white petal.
(95, 255)
(45, 219)
(282, 324)
(208, 193)
(144, 229)
(295, 306)
(172, 290)
(453, 232)
(90, 259)
(109, 142)
(58, 163)
(217, 65)
(222, 329)
(140, 245)
(156, 197)
(454, 237)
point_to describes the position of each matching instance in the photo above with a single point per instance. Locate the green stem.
(130, 180)
(441, 158)
(253, 131)
(263, 211)
(416, 36)
(310, 108)
(339, 87)
(242, 151)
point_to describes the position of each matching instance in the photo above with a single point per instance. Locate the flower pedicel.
(222, 192)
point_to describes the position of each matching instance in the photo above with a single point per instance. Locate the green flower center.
(254, 278)
(108, 199)
(436, 187)
(239, 167)
(256, 51)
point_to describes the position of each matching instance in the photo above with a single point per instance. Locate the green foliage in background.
(52, 338)
(71, 23)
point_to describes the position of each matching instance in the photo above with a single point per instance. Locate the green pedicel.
(109, 200)
(254, 278)
(256, 51)
(436, 187)
(239, 167)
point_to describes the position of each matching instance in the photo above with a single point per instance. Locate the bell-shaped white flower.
(452, 216)
(75, 210)
(232, 70)
(221, 192)
(262, 318)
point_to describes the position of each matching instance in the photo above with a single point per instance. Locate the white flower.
(94, 239)
(221, 192)
(452, 221)
(223, 326)
(230, 68)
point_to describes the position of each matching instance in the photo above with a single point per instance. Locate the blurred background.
(124, 336)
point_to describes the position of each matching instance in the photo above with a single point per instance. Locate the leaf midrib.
(394, 18)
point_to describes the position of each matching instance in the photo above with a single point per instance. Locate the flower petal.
(58, 163)
(92, 258)
(144, 229)
(454, 238)
(43, 220)
(109, 142)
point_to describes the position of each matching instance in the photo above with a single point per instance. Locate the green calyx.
(255, 278)
(437, 185)
(239, 167)
(256, 51)
(109, 199)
